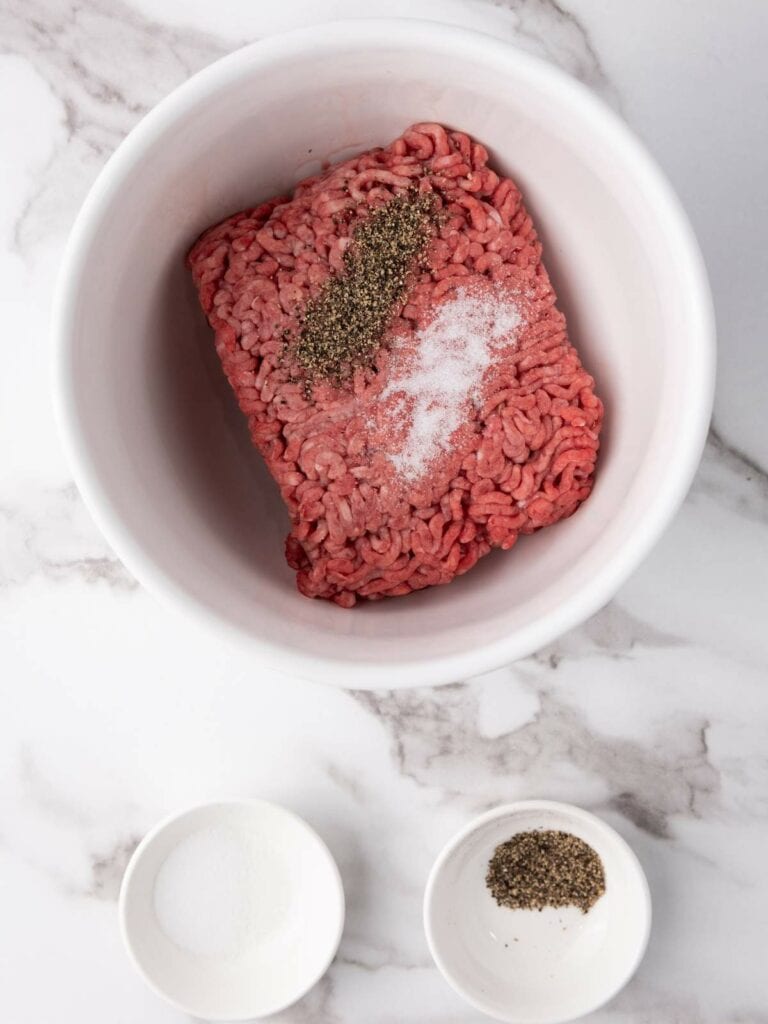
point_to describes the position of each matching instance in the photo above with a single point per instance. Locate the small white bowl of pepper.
(537, 913)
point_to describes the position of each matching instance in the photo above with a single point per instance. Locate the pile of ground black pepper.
(343, 326)
(545, 868)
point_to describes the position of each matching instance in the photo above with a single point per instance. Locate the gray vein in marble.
(107, 869)
(647, 819)
(346, 782)
(732, 478)
(561, 37)
(45, 797)
(94, 570)
(612, 632)
(434, 736)
(52, 535)
(89, 53)
(369, 967)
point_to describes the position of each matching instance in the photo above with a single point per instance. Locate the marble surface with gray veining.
(114, 712)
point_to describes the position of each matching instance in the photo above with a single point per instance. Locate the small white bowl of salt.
(232, 910)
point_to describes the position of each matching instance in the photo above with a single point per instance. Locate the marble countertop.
(114, 712)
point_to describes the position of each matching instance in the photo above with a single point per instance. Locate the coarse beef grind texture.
(525, 455)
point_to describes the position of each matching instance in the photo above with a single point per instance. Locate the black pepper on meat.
(343, 326)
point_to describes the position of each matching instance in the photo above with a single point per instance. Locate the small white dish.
(527, 966)
(243, 962)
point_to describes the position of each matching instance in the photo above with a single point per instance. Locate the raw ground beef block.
(524, 457)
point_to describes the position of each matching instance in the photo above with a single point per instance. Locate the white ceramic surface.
(296, 913)
(161, 453)
(529, 967)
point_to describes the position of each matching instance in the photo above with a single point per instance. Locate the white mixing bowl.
(160, 451)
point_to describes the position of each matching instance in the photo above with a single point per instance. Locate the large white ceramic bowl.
(159, 449)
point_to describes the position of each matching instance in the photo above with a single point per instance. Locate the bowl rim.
(568, 811)
(429, 668)
(252, 803)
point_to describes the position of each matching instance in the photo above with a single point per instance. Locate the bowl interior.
(163, 452)
(527, 966)
(172, 919)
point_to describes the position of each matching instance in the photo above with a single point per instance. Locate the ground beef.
(526, 455)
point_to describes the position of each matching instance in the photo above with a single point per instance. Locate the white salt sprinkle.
(202, 894)
(446, 373)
